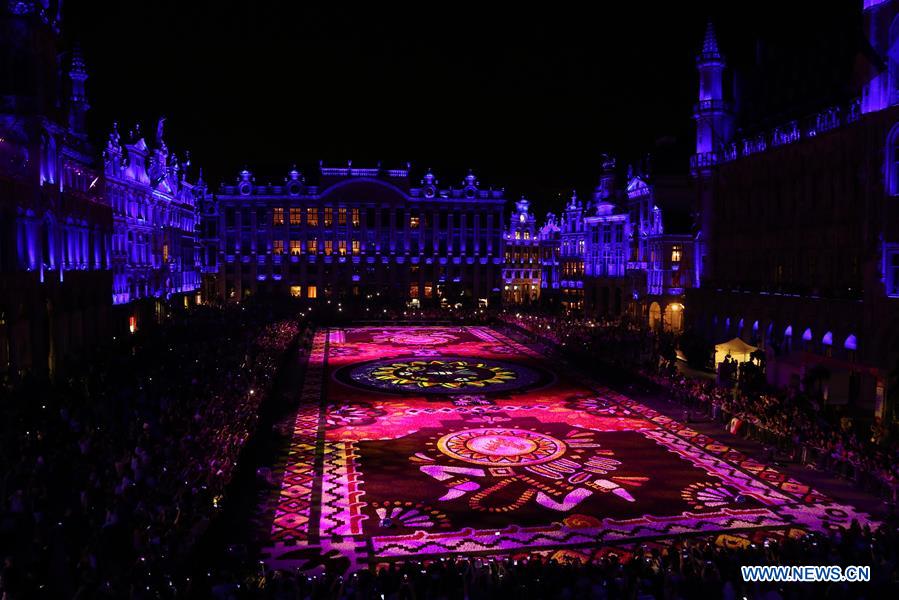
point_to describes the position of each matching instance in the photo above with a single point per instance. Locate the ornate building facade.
(798, 230)
(610, 258)
(155, 243)
(55, 224)
(359, 232)
(522, 272)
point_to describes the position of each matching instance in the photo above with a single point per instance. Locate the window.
(278, 246)
(311, 291)
(165, 253)
(312, 246)
(413, 290)
(891, 271)
(312, 216)
(329, 246)
(295, 216)
(355, 216)
(296, 247)
(341, 216)
(329, 216)
(675, 254)
(527, 235)
(296, 291)
(277, 216)
(517, 235)
(413, 222)
(341, 247)
(355, 247)
(892, 153)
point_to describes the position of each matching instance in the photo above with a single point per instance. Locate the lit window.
(413, 222)
(295, 216)
(278, 216)
(296, 247)
(329, 216)
(296, 291)
(341, 216)
(341, 247)
(413, 290)
(311, 291)
(278, 246)
(527, 235)
(517, 235)
(355, 217)
(891, 274)
(675, 254)
(312, 246)
(312, 216)
(165, 253)
(355, 247)
(329, 246)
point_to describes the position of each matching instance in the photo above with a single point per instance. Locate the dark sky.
(528, 95)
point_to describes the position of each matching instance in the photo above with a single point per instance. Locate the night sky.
(527, 96)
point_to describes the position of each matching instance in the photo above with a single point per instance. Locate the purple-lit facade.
(155, 248)
(798, 231)
(358, 233)
(55, 226)
(609, 258)
(522, 272)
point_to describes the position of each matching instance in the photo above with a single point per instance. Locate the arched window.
(851, 342)
(788, 338)
(892, 55)
(892, 156)
(827, 343)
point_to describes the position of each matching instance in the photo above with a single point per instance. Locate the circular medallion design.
(415, 337)
(441, 375)
(501, 447)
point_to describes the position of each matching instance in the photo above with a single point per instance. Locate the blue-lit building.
(611, 257)
(55, 224)
(522, 271)
(357, 233)
(799, 226)
(155, 245)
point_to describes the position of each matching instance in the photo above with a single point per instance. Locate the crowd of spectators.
(790, 420)
(619, 342)
(706, 568)
(109, 474)
(795, 424)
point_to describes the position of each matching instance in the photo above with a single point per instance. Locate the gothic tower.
(714, 130)
(712, 112)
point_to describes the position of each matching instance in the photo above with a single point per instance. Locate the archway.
(674, 317)
(655, 316)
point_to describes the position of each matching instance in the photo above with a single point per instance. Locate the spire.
(77, 65)
(714, 123)
(78, 105)
(710, 43)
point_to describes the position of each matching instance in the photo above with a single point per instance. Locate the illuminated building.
(614, 258)
(359, 232)
(799, 234)
(55, 225)
(522, 270)
(155, 249)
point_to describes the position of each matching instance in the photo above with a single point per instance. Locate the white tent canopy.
(737, 348)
